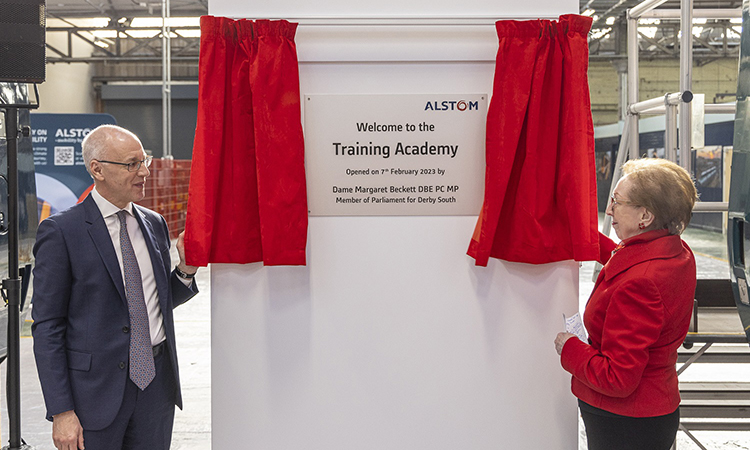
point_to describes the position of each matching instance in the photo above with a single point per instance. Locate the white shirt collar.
(106, 207)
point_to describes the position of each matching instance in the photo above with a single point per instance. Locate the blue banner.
(61, 176)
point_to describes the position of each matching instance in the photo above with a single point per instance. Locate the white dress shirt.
(150, 294)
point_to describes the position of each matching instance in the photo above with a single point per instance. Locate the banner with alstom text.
(370, 155)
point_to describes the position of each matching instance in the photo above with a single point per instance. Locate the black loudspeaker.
(22, 49)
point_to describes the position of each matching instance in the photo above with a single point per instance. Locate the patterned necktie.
(142, 369)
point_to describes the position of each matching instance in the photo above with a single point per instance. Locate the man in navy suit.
(96, 265)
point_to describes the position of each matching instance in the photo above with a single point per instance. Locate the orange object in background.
(167, 192)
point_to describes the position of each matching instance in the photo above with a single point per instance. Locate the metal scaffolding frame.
(182, 48)
(719, 38)
(675, 106)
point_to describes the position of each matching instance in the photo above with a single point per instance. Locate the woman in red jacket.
(638, 314)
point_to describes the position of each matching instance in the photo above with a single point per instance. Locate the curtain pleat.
(540, 185)
(247, 197)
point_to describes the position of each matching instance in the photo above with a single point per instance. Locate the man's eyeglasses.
(616, 202)
(134, 166)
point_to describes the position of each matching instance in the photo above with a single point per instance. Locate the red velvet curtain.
(247, 197)
(540, 182)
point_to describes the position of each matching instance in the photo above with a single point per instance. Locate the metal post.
(622, 156)
(623, 93)
(632, 84)
(166, 76)
(686, 82)
(13, 283)
(621, 67)
(670, 132)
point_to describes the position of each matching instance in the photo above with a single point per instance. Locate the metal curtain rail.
(401, 20)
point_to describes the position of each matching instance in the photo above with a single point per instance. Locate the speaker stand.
(12, 284)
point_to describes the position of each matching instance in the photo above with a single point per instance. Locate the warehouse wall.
(68, 87)
(716, 79)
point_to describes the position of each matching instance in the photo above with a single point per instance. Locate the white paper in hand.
(574, 325)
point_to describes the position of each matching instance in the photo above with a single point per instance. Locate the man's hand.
(67, 433)
(181, 252)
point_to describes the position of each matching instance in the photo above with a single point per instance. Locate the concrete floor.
(192, 430)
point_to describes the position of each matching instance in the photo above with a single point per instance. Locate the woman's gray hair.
(96, 143)
(663, 188)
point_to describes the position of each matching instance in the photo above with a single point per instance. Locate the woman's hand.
(560, 341)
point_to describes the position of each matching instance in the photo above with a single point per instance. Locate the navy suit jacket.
(81, 321)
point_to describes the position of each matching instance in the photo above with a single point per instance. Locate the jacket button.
(122, 365)
(125, 329)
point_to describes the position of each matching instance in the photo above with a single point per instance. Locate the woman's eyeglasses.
(615, 202)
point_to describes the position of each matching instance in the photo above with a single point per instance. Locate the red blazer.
(637, 317)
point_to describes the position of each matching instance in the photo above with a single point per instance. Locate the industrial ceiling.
(713, 38)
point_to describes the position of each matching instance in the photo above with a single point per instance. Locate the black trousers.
(607, 431)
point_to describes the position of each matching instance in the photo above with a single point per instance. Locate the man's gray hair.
(96, 143)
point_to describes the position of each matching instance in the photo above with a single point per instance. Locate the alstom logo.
(452, 105)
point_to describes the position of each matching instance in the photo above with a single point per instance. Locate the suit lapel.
(154, 252)
(103, 242)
